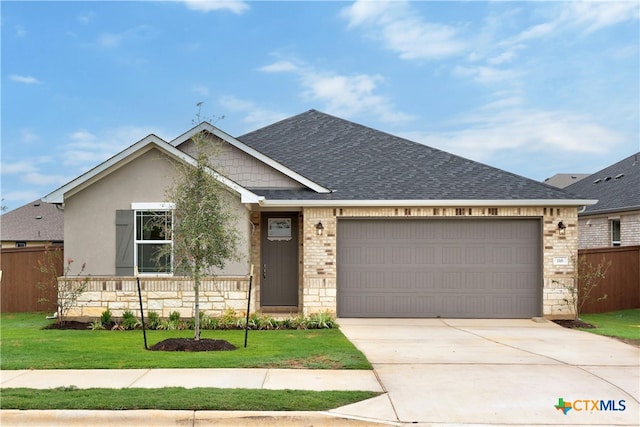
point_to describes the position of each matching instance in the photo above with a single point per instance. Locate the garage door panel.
(446, 268)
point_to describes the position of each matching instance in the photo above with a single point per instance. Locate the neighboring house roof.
(363, 165)
(137, 149)
(563, 180)
(616, 187)
(33, 222)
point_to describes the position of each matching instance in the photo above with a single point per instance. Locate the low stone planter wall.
(160, 294)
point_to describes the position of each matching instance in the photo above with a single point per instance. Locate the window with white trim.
(615, 232)
(153, 247)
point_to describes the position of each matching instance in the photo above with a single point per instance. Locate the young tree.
(204, 232)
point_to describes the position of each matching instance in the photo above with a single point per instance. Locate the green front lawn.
(178, 398)
(25, 345)
(619, 324)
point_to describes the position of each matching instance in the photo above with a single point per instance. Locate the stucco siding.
(90, 213)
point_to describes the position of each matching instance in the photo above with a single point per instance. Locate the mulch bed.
(571, 324)
(69, 324)
(189, 344)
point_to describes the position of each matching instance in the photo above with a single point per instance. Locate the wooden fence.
(621, 283)
(21, 288)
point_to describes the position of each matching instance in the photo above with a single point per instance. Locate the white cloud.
(86, 149)
(278, 67)
(485, 74)
(28, 136)
(398, 27)
(508, 125)
(200, 90)
(86, 18)
(113, 40)
(40, 179)
(29, 80)
(537, 31)
(255, 117)
(502, 58)
(19, 198)
(342, 95)
(20, 31)
(18, 167)
(593, 16)
(235, 6)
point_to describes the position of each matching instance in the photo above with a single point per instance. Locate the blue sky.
(535, 88)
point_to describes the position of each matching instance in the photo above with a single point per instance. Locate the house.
(34, 224)
(334, 216)
(563, 180)
(615, 219)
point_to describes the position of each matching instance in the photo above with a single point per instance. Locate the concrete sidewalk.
(270, 379)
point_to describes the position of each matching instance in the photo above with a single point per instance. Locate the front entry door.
(279, 256)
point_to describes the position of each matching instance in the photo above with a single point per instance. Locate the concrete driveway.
(463, 371)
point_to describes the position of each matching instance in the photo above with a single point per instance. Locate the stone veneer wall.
(162, 295)
(319, 268)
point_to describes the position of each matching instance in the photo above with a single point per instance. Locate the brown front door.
(279, 256)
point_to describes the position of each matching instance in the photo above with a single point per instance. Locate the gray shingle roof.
(617, 187)
(35, 221)
(361, 163)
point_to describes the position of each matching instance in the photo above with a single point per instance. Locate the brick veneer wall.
(319, 272)
(595, 231)
(160, 294)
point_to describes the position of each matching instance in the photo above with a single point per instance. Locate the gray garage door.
(466, 268)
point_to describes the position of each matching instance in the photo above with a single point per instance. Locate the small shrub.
(298, 322)
(261, 321)
(174, 316)
(228, 320)
(321, 321)
(153, 320)
(207, 322)
(96, 325)
(129, 320)
(105, 317)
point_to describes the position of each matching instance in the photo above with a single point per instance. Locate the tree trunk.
(196, 322)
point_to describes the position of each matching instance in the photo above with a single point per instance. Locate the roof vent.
(39, 217)
(619, 176)
(608, 178)
(597, 181)
(36, 204)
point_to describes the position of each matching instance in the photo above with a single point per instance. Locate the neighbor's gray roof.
(360, 163)
(35, 221)
(616, 187)
(563, 180)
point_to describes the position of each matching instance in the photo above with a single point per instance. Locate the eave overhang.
(434, 203)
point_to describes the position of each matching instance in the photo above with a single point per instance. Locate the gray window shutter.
(124, 243)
